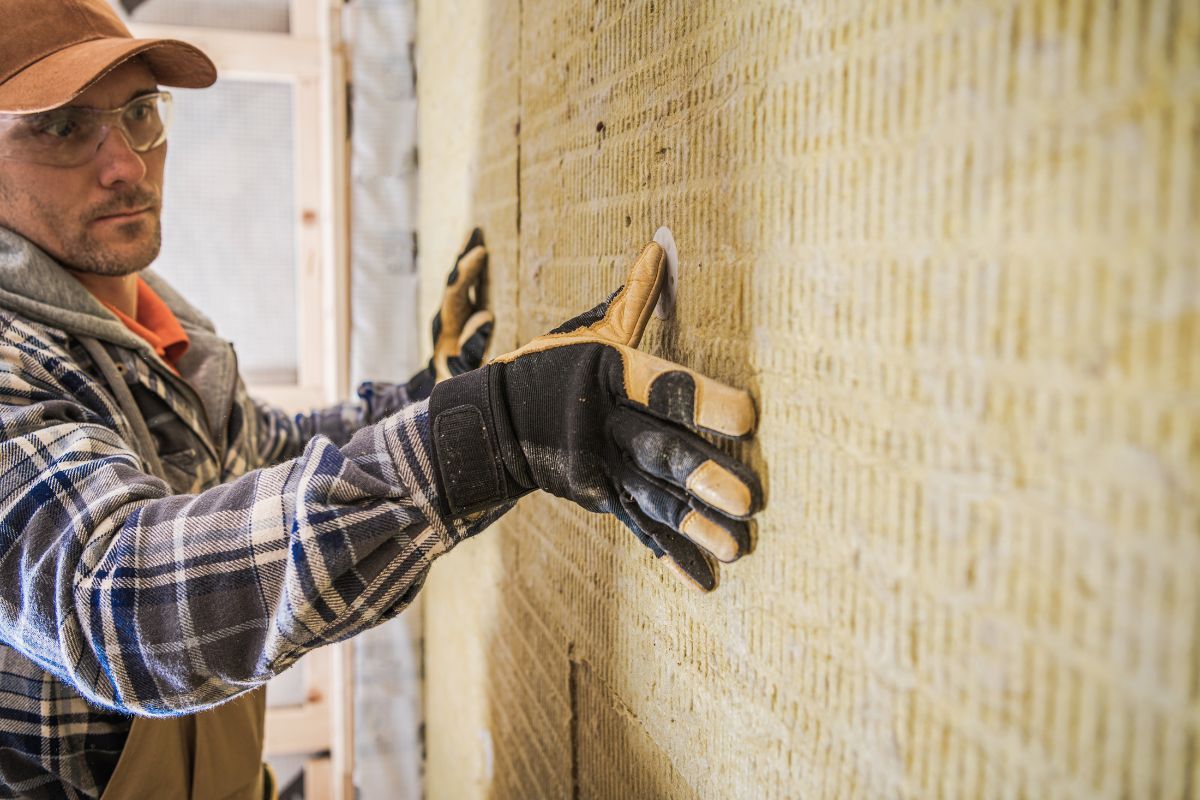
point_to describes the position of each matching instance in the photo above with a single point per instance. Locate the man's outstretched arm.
(157, 604)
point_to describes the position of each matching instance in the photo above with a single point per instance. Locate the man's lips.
(124, 216)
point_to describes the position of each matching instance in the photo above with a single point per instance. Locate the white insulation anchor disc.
(666, 300)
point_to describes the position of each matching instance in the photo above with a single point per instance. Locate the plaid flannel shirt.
(126, 594)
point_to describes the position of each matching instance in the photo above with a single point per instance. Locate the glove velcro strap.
(470, 467)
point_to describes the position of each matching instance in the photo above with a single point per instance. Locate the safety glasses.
(71, 136)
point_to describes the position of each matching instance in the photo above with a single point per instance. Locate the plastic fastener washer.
(666, 300)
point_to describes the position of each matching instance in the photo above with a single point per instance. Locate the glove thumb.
(625, 319)
(622, 318)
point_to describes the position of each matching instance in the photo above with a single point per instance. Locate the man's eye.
(62, 128)
(141, 112)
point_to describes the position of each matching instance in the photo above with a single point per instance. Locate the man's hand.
(462, 326)
(584, 415)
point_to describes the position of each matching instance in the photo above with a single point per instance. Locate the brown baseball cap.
(51, 51)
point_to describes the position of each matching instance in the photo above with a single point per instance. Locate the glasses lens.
(68, 137)
(64, 136)
(146, 120)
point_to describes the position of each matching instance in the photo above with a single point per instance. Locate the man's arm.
(158, 604)
(282, 436)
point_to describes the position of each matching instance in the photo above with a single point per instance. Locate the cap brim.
(60, 77)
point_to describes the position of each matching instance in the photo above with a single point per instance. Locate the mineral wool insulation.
(951, 249)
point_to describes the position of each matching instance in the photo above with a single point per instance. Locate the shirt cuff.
(408, 440)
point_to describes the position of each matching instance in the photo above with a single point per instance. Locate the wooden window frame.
(311, 59)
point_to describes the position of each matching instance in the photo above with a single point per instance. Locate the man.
(167, 544)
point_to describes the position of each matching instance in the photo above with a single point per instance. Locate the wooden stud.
(335, 188)
(305, 16)
(318, 780)
(243, 55)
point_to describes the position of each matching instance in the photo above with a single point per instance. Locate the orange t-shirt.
(156, 324)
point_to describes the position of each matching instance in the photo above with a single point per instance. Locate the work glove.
(462, 326)
(582, 414)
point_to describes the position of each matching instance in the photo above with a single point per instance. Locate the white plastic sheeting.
(385, 343)
(384, 335)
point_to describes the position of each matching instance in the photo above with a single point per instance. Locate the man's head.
(101, 215)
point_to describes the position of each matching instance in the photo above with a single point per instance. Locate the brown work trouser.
(213, 755)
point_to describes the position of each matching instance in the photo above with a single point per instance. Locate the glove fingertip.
(478, 320)
(475, 239)
(470, 267)
(475, 338)
(630, 311)
(723, 488)
(701, 403)
(702, 580)
(728, 540)
(686, 559)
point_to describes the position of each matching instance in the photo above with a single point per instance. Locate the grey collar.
(34, 285)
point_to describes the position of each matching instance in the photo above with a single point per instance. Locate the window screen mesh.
(228, 219)
(243, 15)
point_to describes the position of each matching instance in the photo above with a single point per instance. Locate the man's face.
(102, 217)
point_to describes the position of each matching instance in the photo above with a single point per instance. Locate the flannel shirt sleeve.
(159, 604)
(282, 435)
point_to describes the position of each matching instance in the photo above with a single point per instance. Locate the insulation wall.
(951, 248)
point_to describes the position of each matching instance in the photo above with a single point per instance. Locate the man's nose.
(118, 163)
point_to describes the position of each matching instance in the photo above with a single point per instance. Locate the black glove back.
(582, 414)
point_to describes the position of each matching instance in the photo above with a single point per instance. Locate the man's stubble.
(76, 249)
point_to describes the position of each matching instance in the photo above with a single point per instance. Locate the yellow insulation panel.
(951, 248)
